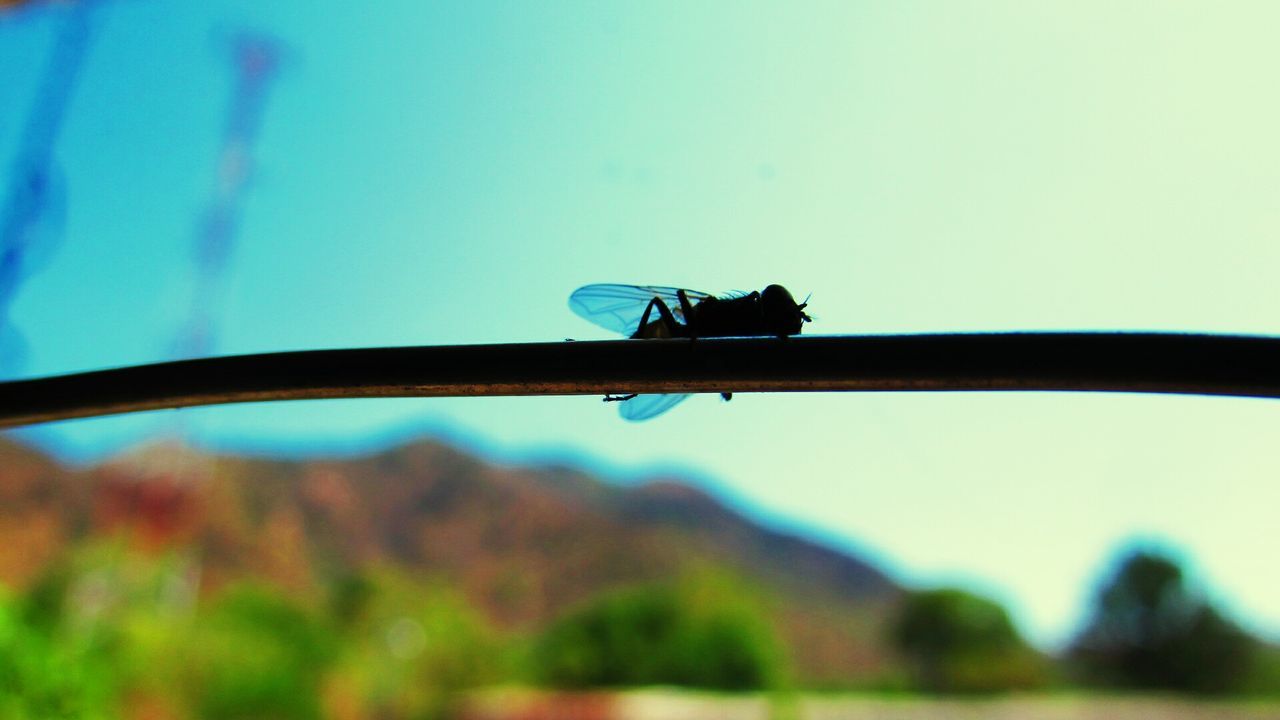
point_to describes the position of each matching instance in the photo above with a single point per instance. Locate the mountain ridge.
(522, 543)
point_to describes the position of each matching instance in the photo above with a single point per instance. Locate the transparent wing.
(619, 307)
(643, 407)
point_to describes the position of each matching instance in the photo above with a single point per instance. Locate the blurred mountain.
(522, 543)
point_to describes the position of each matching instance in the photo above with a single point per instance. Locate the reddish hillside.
(522, 543)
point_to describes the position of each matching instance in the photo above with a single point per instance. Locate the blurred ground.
(666, 704)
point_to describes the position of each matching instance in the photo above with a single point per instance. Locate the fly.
(646, 312)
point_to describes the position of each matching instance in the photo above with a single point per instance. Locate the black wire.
(1245, 366)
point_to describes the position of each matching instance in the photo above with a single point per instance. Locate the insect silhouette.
(645, 312)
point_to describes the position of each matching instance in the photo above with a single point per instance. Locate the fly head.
(782, 314)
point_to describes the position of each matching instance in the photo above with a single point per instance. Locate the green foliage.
(958, 642)
(1150, 631)
(706, 634)
(44, 605)
(110, 630)
(1264, 677)
(256, 655)
(47, 675)
(408, 646)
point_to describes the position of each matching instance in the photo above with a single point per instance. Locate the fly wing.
(620, 307)
(643, 407)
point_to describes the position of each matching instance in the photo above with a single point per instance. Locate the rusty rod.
(1245, 366)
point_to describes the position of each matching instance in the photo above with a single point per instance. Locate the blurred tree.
(1149, 631)
(408, 647)
(49, 670)
(700, 633)
(1264, 677)
(958, 642)
(257, 655)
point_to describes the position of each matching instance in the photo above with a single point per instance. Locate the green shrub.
(1149, 631)
(697, 634)
(955, 641)
(1264, 677)
(409, 646)
(45, 674)
(255, 654)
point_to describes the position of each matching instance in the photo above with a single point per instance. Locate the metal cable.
(1246, 366)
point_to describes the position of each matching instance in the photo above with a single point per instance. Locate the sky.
(443, 173)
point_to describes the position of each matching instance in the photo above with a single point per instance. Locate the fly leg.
(664, 315)
(687, 309)
(644, 319)
(668, 321)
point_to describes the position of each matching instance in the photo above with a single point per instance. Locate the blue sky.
(433, 173)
